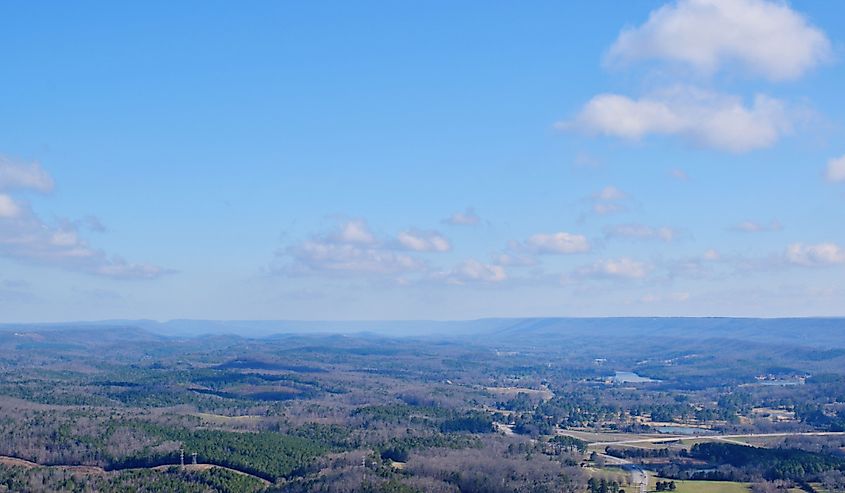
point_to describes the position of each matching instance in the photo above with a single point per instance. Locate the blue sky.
(400, 160)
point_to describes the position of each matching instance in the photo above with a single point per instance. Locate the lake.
(630, 377)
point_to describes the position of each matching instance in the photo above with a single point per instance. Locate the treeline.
(768, 463)
(643, 453)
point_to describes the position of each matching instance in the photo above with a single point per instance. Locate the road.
(723, 438)
(639, 476)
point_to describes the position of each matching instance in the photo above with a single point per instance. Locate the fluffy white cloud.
(330, 257)
(836, 169)
(623, 267)
(465, 218)
(755, 227)
(8, 207)
(558, 243)
(619, 268)
(820, 254)
(15, 175)
(424, 241)
(712, 255)
(703, 117)
(609, 193)
(515, 259)
(355, 231)
(767, 38)
(603, 209)
(642, 232)
(25, 237)
(608, 200)
(352, 249)
(472, 270)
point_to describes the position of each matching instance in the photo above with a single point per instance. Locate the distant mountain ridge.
(821, 332)
(824, 332)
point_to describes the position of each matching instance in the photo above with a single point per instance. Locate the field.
(703, 486)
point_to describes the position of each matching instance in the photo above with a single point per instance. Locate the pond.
(630, 377)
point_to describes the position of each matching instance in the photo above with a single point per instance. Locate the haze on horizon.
(367, 160)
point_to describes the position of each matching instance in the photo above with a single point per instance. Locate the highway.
(639, 476)
(722, 438)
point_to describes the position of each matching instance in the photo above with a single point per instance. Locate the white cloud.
(15, 175)
(474, 271)
(558, 243)
(712, 255)
(836, 169)
(642, 232)
(610, 193)
(820, 254)
(755, 227)
(703, 117)
(329, 257)
(516, 254)
(708, 264)
(8, 207)
(355, 231)
(25, 237)
(622, 268)
(604, 209)
(465, 218)
(609, 200)
(766, 38)
(117, 267)
(351, 249)
(424, 241)
(514, 259)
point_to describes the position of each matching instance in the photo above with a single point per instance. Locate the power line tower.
(182, 458)
(194, 458)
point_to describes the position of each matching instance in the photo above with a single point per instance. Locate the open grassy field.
(703, 486)
(715, 487)
(609, 473)
(510, 392)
